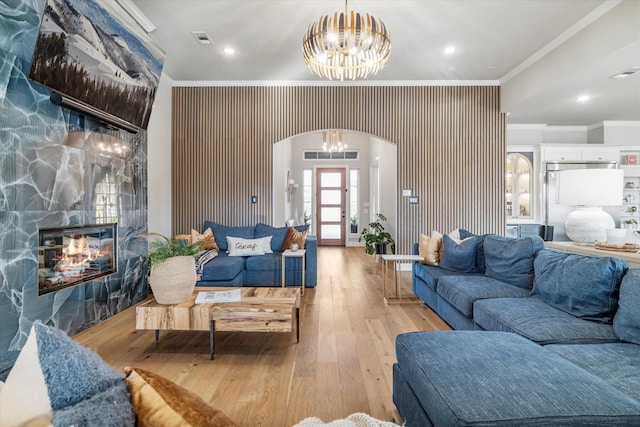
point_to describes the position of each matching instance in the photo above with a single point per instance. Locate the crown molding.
(251, 83)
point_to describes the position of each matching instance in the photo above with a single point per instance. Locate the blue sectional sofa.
(555, 341)
(261, 270)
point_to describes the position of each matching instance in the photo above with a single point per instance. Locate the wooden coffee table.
(259, 310)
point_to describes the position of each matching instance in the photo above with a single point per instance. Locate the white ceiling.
(544, 53)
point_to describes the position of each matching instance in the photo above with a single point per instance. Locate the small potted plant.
(375, 238)
(173, 269)
(354, 224)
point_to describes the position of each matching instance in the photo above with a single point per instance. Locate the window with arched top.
(519, 187)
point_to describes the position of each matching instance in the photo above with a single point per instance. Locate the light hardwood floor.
(342, 364)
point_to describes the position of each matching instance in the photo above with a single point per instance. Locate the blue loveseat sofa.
(553, 341)
(261, 270)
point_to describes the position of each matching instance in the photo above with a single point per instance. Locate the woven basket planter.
(173, 280)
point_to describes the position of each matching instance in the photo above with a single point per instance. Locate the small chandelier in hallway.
(346, 45)
(334, 140)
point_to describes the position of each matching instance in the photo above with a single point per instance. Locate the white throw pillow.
(248, 247)
(267, 244)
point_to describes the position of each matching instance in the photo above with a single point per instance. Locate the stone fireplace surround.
(51, 161)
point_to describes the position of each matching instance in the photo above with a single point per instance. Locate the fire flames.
(75, 257)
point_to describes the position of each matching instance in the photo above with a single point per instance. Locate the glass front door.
(331, 190)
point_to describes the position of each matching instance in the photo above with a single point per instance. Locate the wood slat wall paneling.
(450, 141)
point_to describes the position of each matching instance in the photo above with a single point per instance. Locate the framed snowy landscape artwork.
(93, 52)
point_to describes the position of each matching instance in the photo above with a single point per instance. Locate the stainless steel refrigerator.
(554, 213)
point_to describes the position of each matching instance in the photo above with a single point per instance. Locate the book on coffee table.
(216, 297)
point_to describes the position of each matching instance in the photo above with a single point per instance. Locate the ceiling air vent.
(201, 37)
(331, 155)
(626, 73)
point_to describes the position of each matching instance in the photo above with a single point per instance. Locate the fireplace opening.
(71, 255)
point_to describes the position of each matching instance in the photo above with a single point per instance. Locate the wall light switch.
(413, 200)
(254, 199)
(406, 193)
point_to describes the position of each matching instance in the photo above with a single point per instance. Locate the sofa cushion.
(429, 248)
(278, 234)
(511, 260)
(581, 285)
(424, 282)
(238, 246)
(266, 262)
(458, 255)
(406, 401)
(430, 274)
(158, 401)
(56, 379)
(626, 323)
(220, 233)
(617, 363)
(480, 263)
(462, 291)
(539, 322)
(465, 378)
(295, 236)
(206, 239)
(222, 268)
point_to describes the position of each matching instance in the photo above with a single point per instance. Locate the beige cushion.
(207, 239)
(294, 236)
(429, 248)
(158, 401)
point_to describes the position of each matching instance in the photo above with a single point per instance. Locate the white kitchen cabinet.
(552, 155)
(598, 154)
(580, 153)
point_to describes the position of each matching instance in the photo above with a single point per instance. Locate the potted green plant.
(173, 269)
(376, 239)
(306, 217)
(354, 224)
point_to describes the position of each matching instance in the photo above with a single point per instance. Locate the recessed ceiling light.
(626, 73)
(201, 37)
(450, 50)
(583, 98)
(229, 50)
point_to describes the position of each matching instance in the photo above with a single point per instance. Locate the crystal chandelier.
(334, 140)
(346, 45)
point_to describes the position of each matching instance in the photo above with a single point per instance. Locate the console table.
(632, 258)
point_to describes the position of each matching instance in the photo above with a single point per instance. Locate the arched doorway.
(370, 170)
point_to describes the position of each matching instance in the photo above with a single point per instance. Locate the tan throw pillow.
(429, 248)
(294, 236)
(207, 239)
(158, 401)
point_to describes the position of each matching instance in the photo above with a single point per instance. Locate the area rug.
(353, 420)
